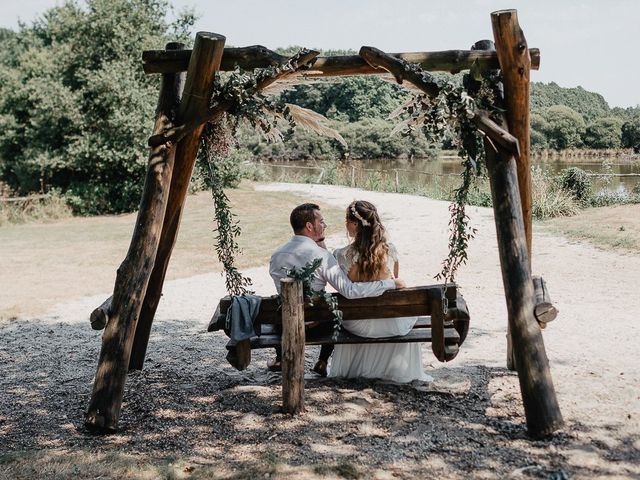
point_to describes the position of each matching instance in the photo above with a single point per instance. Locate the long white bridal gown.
(398, 362)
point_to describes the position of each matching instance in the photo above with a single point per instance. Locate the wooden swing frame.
(183, 108)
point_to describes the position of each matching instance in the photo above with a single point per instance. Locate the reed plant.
(549, 199)
(33, 208)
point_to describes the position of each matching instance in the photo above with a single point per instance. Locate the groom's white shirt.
(301, 250)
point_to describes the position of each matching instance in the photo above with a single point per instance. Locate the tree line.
(76, 108)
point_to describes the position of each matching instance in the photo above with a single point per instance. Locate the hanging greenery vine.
(447, 115)
(248, 96)
(217, 144)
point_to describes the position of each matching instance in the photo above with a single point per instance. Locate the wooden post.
(437, 327)
(292, 346)
(538, 394)
(133, 275)
(515, 64)
(204, 62)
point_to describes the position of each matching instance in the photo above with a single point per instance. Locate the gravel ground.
(189, 408)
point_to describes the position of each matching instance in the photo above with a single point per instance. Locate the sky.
(588, 43)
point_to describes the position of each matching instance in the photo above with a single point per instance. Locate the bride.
(371, 257)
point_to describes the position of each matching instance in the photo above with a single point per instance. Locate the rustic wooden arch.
(183, 108)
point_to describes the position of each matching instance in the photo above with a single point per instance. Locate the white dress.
(398, 362)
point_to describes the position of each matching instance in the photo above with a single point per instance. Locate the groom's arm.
(335, 276)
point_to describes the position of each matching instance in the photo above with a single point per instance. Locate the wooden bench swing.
(184, 107)
(443, 320)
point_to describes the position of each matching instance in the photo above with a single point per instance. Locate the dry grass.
(63, 465)
(76, 257)
(608, 227)
(34, 208)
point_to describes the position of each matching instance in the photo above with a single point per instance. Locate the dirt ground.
(189, 414)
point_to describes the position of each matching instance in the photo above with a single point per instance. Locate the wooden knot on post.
(292, 346)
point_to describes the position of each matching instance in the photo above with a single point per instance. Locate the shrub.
(607, 197)
(575, 181)
(548, 199)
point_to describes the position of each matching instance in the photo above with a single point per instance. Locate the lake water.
(446, 169)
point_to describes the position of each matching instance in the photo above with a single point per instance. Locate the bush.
(607, 197)
(548, 199)
(575, 181)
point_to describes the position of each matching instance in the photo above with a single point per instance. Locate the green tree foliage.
(538, 127)
(588, 104)
(75, 105)
(565, 127)
(604, 133)
(368, 138)
(349, 98)
(631, 134)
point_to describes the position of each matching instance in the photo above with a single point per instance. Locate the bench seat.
(451, 318)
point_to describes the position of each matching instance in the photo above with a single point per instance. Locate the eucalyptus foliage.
(304, 274)
(217, 144)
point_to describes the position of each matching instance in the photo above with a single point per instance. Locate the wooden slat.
(416, 335)
(271, 329)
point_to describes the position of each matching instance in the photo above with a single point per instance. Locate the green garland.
(217, 145)
(240, 89)
(448, 116)
(445, 116)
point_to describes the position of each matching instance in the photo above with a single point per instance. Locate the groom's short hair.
(302, 214)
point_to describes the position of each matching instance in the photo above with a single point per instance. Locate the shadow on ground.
(190, 415)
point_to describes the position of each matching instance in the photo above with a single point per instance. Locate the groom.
(306, 245)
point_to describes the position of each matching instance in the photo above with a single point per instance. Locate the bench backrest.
(406, 302)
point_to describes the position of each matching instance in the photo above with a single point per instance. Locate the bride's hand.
(399, 283)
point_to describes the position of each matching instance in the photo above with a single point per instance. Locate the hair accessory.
(358, 216)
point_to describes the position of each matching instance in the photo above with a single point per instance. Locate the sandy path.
(592, 346)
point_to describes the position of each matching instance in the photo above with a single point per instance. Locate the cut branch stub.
(397, 67)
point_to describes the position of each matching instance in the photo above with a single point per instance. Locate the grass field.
(607, 227)
(76, 257)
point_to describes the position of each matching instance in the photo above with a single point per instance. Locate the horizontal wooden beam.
(257, 56)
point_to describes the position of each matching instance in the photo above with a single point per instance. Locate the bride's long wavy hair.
(370, 241)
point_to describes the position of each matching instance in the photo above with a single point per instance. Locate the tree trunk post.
(292, 346)
(133, 275)
(540, 403)
(515, 64)
(204, 62)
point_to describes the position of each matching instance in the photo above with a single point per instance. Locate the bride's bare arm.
(396, 269)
